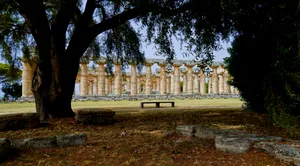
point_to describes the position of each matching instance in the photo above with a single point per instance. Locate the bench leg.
(157, 105)
(142, 105)
(173, 104)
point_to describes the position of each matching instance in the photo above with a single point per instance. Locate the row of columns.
(193, 82)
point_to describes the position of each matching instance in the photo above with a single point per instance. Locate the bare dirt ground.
(147, 140)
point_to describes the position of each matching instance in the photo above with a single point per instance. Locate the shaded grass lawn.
(30, 107)
(147, 141)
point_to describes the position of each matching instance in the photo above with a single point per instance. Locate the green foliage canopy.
(265, 60)
(12, 90)
(9, 74)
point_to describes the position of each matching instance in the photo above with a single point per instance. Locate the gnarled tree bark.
(53, 86)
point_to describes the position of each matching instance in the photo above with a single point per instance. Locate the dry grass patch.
(143, 138)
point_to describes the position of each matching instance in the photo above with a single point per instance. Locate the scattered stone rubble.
(283, 152)
(66, 140)
(239, 142)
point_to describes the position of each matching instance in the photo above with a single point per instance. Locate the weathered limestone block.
(239, 142)
(34, 142)
(98, 116)
(254, 138)
(71, 140)
(210, 133)
(186, 130)
(18, 121)
(232, 145)
(283, 152)
(5, 149)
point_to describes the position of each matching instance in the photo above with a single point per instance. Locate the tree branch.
(77, 16)
(84, 35)
(113, 22)
(35, 16)
(61, 22)
(133, 13)
(87, 15)
(104, 16)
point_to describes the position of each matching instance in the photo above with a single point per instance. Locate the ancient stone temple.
(185, 77)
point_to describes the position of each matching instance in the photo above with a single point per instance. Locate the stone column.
(158, 84)
(162, 79)
(214, 80)
(138, 84)
(143, 86)
(112, 86)
(209, 84)
(172, 81)
(148, 78)
(184, 80)
(118, 88)
(90, 87)
(83, 79)
(176, 79)
(101, 79)
(79, 86)
(106, 85)
(95, 88)
(154, 85)
(196, 82)
(190, 79)
(27, 80)
(202, 83)
(168, 86)
(128, 83)
(221, 83)
(226, 79)
(133, 77)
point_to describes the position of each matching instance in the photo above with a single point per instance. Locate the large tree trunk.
(53, 87)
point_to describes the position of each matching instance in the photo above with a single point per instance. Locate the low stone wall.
(66, 140)
(154, 97)
(142, 97)
(18, 121)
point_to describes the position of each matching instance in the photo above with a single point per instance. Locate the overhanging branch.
(35, 16)
(61, 22)
(113, 22)
(104, 16)
(87, 15)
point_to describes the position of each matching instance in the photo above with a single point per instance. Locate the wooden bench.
(157, 103)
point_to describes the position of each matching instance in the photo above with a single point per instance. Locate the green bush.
(265, 62)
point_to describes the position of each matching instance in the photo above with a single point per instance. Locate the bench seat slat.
(157, 103)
